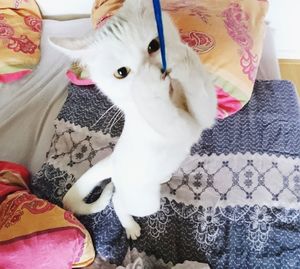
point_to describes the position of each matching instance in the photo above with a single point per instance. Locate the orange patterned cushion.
(20, 34)
(228, 36)
(34, 232)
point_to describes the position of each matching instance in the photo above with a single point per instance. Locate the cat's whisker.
(119, 116)
(110, 108)
(113, 118)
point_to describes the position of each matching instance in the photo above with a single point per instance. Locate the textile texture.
(234, 202)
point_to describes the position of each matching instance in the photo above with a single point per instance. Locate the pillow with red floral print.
(20, 34)
(35, 233)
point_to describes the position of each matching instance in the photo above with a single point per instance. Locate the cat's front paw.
(133, 231)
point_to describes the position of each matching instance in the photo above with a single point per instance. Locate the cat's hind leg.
(133, 229)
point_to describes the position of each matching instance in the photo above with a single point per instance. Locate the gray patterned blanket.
(234, 202)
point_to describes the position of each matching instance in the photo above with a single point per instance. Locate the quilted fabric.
(234, 202)
(20, 34)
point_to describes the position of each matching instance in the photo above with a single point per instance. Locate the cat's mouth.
(165, 74)
(177, 95)
(176, 92)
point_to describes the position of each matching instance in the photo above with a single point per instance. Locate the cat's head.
(120, 50)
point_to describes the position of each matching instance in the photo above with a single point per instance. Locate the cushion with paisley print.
(35, 233)
(20, 34)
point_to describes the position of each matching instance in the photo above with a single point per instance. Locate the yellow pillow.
(20, 34)
(33, 231)
(228, 36)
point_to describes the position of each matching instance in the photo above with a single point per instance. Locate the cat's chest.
(153, 160)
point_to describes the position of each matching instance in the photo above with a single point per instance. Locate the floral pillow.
(228, 36)
(35, 233)
(20, 34)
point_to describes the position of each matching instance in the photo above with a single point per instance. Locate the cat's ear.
(74, 48)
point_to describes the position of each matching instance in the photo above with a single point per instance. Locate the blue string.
(160, 29)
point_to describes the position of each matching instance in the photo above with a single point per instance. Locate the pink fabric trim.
(75, 80)
(16, 168)
(7, 189)
(53, 249)
(227, 105)
(11, 77)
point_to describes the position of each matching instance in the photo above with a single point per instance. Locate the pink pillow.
(35, 233)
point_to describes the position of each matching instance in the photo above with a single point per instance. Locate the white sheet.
(29, 106)
(62, 8)
(269, 66)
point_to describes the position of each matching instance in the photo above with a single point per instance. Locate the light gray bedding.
(29, 106)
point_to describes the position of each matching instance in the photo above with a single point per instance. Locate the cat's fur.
(163, 117)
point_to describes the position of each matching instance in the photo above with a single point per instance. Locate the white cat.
(164, 116)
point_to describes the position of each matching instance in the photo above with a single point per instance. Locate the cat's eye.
(122, 72)
(153, 46)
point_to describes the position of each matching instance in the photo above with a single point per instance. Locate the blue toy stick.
(160, 29)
